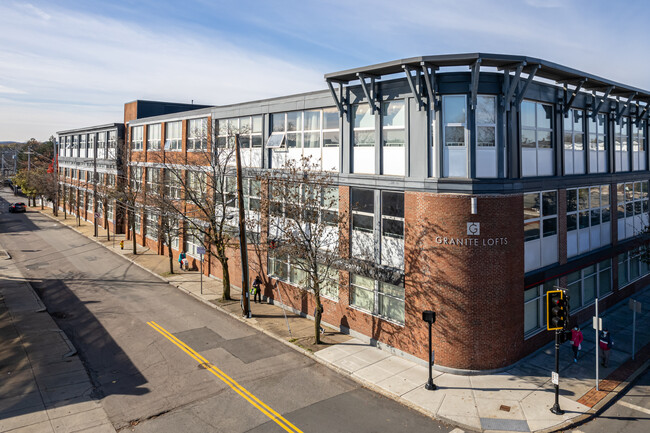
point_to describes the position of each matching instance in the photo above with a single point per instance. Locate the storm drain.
(504, 424)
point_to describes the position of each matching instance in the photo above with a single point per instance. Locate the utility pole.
(95, 213)
(242, 234)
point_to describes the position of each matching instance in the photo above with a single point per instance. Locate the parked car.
(18, 207)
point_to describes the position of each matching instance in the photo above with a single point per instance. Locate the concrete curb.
(295, 347)
(602, 405)
(581, 419)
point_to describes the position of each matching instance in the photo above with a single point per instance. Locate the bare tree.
(304, 222)
(198, 191)
(129, 194)
(165, 198)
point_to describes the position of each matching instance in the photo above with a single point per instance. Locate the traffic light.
(557, 310)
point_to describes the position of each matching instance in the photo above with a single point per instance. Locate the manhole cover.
(504, 408)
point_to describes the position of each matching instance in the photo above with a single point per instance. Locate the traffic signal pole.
(556, 407)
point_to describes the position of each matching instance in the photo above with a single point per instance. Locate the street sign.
(200, 250)
(634, 305)
(555, 378)
(600, 323)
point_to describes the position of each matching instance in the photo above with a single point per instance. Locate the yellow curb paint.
(257, 403)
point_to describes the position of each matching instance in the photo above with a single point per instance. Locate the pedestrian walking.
(576, 339)
(605, 344)
(256, 289)
(182, 259)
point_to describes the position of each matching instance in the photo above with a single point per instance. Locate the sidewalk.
(43, 387)
(518, 399)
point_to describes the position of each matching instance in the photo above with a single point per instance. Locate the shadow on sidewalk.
(111, 371)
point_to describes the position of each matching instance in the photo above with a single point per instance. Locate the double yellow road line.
(256, 402)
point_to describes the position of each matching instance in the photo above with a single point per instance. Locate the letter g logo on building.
(473, 229)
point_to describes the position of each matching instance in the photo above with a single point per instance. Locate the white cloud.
(34, 10)
(5, 89)
(95, 62)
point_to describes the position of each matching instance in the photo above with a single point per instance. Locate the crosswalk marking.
(634, 406)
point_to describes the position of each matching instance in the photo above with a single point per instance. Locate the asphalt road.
(194, 369)
(629, 414)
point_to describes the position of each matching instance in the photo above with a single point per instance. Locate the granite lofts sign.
(473, 238)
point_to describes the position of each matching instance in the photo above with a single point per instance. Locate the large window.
(101, 145)
(331, 118)
(249, 129)
(540, 229)
(486, 136)
(536, 139)
(378, 298)
(197, 134)
(91, 145)
(574, 142)
(174, 136)
(153, 180)
(393, 118)
(535, 307)
(138, 221)
(153, 137)
(363, 223)
(363, 152)
(197, 185)
(392, 229)
(136, 178)
(193, 240)
(151, 224)
(589, 283)
(621, 144)
(588, 219)
(638, 145)
(454, 118)
(631, 267)
(172, 184)
(291, 270)
(112, 145)
(136, 138)
(383, 243)
(632, 208)
(598, 143)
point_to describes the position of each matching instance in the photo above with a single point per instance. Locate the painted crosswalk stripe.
(634, 406)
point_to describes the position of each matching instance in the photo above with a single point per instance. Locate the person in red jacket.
(576, 338)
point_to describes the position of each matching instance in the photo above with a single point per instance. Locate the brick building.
(477, 182)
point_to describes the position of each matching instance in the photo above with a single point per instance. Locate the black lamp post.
(430, 317)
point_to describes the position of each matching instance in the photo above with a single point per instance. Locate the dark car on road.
(18, 207)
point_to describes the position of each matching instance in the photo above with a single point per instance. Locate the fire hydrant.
(121, 245)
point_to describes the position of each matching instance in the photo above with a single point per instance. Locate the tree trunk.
(226, 278)
(135, 251)
(42, 203)
(171, 255)
(317, 314)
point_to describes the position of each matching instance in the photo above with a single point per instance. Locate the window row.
(632, 208)
(631, 267)
(583, 286)
(588, 219)
(291, 270)
(197, 136)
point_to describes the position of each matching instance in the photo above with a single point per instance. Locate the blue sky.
(68, 64)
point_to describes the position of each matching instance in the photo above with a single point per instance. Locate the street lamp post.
(430, 317)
